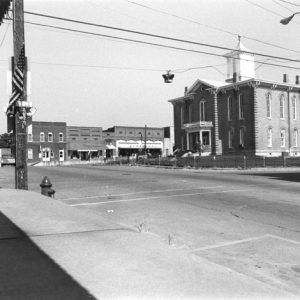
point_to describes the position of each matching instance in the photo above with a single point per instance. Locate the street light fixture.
(287, 20)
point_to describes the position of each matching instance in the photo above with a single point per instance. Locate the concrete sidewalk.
(105, 260)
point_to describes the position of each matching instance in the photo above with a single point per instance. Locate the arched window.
(242, 136)
(230, 138)
(282, 138)
(282, 101)
(50, 137)
(190, 113)
(203, 110)
(61, 137)
(294, 108)
(42, 137)
(241, 107)
(182, 115)
(295, 137)
(270, 137)
(229, 108)
(269, 106)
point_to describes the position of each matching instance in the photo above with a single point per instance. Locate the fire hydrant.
(46, 187)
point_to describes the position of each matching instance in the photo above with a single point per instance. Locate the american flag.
(17, 82)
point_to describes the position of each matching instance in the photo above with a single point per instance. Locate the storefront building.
(85, 143)
(122, 141)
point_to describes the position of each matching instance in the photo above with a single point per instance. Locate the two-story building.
(85, 142)
(241, 114)
(130, 140)
(46, 142)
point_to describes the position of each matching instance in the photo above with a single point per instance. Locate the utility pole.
(18, 102)
(145, 146)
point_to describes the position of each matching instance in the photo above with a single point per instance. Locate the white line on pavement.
(231, 243)
(283, 239)
(245, 241)
(144, 192)
(158, 197)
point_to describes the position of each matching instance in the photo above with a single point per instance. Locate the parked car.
(7, 160)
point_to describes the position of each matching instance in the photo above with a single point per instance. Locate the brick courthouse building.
(241, 115)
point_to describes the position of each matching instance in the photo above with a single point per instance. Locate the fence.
(238, 162)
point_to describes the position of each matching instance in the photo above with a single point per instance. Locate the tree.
(6, 140)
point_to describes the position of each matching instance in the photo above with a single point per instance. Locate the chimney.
(285, 78)
(297, 79)
(234, 79)
(185, 90)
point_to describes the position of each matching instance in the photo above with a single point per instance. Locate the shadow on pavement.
(295, 177)
(28, 273)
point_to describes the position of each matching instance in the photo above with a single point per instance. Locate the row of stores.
(134, 148)
(57, 142)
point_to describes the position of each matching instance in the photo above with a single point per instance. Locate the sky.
(90, 80)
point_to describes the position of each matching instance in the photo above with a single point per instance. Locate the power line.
(4, 36)
(291, 3)
(153, 44)
(268, 10)
(158, 36)
(280, 4)
(209, 26)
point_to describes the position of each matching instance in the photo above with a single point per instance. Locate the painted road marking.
(245, 241)
(230, 243)
(283, 239)
(159, 197)
(144, 192)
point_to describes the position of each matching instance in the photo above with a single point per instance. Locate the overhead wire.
(210, 27)
(267, 9)
(153, 44)
(5, 33)
(291, 3)
(281, 5)
(159, 36)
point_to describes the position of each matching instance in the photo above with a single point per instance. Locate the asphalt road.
(247, 221)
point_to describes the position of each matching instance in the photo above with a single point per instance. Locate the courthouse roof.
(223, 85)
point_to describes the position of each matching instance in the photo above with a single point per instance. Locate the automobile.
(7, 160)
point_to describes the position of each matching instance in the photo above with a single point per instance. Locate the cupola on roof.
(240, 64)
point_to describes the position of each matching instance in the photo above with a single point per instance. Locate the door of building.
(46, 154)
(61, 155)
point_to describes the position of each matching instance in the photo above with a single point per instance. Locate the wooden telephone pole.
(19, 102)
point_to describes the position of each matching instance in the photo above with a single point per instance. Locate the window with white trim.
(61, 137)
(282, 101)
(30, 153)
(241, 107)
(282, 138)
(42, 137)
(270, 137)
(230, 138)
(182, 115)
(190, 113)
(269, 106)
(50, 137)
(229, 108)
(294, 108)
(202, 110)
(295, 138)
(242, 136)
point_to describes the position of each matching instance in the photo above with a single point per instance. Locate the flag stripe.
(17, 81)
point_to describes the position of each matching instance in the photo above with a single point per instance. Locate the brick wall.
(47, 127)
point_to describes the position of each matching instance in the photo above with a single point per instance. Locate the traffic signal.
(168, 77)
